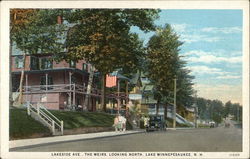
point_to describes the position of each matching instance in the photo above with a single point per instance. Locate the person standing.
(124, 121)
(146, 122)
(116, 122)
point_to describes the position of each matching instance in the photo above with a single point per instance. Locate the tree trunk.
(103, 104)
(20, 99)
(166, 111)
(89, 87)
(157, 107)
(10, 74)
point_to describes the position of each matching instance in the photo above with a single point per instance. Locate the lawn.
(73, 120)
(23, 126)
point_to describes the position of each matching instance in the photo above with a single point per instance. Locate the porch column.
(70, 89)
(126, 98)
(46, 84)
(26, 86)
(118, 95)
(74, 94)
(26, 82)
(126, 82)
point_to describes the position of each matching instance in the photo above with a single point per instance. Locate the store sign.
(135, 96)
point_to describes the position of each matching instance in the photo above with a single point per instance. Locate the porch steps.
(41, 114)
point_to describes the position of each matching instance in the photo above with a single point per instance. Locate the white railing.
(68, 88)
(47, 88)
(50, 120)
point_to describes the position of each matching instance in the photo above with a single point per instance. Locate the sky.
(212, 48)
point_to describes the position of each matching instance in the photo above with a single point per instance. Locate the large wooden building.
(57, 85)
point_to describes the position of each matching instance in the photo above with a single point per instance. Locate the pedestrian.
(146, 122)
(116, 122)
(124, 121)
(120, 120)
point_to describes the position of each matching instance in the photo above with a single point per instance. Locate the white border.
(4, 58)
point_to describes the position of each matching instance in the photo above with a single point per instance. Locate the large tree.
(164, 64)
(102, 37)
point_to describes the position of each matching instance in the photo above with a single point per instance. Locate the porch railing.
(77, 88)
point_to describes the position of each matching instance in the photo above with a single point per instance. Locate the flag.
(111, 81)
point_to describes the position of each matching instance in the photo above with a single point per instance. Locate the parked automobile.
(156, 123)
(212, 124)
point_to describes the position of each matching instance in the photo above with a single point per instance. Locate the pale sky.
(212, 48)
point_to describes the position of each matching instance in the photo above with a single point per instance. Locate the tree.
(19, 18)
(234, 109)
(35, 31)
(164, 64)
(102, 37)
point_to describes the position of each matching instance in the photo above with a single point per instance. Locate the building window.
(34, 63)
(46, 63)
(43, 82)
(85, 67)
(19, 61)
(72, 64)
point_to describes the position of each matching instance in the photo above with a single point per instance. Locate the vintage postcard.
(124, 79)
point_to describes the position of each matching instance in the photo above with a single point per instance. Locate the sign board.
(135, 96)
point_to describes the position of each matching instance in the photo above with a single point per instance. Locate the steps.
(41, 114)
(179, 118)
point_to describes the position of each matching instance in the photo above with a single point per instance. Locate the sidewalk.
(181, 128)
(67, 138)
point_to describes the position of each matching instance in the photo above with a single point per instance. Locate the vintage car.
(155, 123)
(212, 124)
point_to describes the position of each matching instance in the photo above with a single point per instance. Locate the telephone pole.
(118, 96)
(196, 110)
(174, 111)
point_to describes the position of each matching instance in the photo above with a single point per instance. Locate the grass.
(203, 126)
(73, 120)
(23, 126)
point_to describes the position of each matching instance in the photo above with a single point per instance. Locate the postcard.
(124, 79)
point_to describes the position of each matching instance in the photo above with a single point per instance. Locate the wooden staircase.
(41, 114)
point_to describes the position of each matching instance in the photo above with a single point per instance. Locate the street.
(218, 139)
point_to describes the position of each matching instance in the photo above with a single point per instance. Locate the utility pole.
(196, 110)
(174, 111)
(118, 96)
(238, 114)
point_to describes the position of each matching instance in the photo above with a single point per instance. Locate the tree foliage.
(19, 18)
(164, 64)
(103, 38)
(215, 110)
(36, 31)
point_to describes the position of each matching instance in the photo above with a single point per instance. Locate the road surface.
(218, 139)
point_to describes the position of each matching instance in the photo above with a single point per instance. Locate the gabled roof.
(136, 79)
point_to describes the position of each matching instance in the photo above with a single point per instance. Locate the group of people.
(120, 123)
